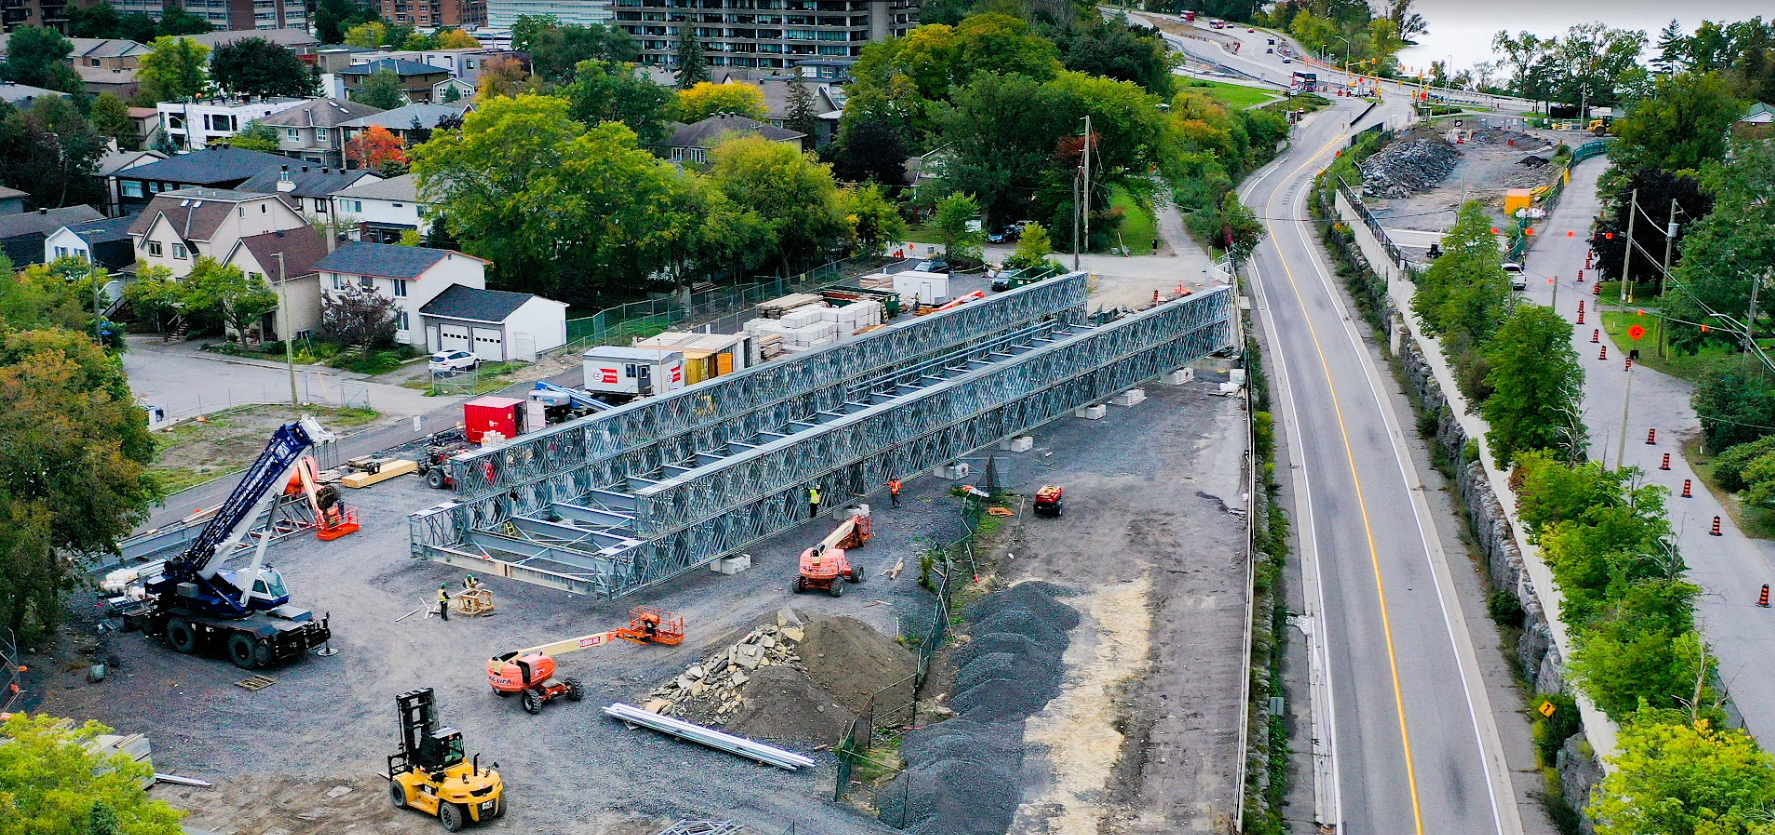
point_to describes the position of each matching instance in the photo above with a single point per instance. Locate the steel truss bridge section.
(561, 462)
(615, 539)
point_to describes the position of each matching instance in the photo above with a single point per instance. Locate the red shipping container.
(492, 414)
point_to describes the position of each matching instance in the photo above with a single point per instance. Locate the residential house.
(308, 189)
(222, 168)
(193, 125)
(113, 162)
(147, 122)
(292, 275)
(425, 14)
(22, 235)
(12, 201)
(494, 325)
(183, 225)
(692, 143)
(1757, 123)
(383, 210)
(310, 130)
(416, 79)
(335, 57)
(828, 104)
(409, 275)
(739, 33)
(292, 34)
(441, 91)
(104, 242)
(462, 63)
(21, 95)
(107, 65)
(412, 123)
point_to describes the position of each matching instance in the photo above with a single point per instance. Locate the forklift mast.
(424, 745)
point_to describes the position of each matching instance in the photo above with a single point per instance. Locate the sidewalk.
(1731, 568)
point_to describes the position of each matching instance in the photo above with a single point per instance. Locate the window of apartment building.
(403, 320)
(131, 188)
(296, 135)
(154, 248)
(219, 122)
(92, 62)
(179, 251)
(400, 288)
(157, 187)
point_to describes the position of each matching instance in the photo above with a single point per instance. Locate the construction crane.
(531, 671)
(192, 603)
(825, 564)
(432, 774)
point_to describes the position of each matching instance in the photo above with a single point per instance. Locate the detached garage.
(492, 324)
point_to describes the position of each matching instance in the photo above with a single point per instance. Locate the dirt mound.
(1409, 165)
(784, 703)
(1507, 138)
(851, 660)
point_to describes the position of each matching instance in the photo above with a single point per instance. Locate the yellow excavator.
(431, 774)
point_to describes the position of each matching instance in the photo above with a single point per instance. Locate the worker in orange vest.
(894, 491)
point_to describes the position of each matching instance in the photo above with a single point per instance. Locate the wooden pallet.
(256, 683)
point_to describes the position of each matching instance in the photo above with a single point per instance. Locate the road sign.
(1547, 709)
(1636, 332)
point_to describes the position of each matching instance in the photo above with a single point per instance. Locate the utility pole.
(1669, 240)
(1627, 254)
(92, 272)
(1087, 191)
(1075, 224)
(1621, 448)
(283, 288)
(1750, 317)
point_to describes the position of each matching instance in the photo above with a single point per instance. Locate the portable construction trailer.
(635, 372)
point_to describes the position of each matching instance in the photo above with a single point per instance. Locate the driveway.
(186, 381)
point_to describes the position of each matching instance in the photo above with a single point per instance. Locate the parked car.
(932, 265)
(1009, 234)
(1518, 278)
(448, 362)
(1286, 61)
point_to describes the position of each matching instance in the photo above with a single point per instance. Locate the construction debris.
(1408, 166)
(766, 754)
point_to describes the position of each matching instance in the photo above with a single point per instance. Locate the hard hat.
(442, 586)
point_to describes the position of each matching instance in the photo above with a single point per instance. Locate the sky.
(1461, 30)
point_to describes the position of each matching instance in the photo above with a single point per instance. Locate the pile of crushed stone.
(796, 678)
(963, 775)
(1408, 166)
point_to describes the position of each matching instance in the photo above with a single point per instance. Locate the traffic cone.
(1716, 528)
(1155, 297)
(1763, 598)
(1580, 315)
(1596, 289)
(1580, 276)
(1595, 335)
(1651, 437)
(1580, 305)
(1666, 464)
(1605, 353)
(1629, 365)
(1686, 485)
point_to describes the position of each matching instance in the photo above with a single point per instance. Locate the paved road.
(1730, 568)
(187, 381)
(1414, 742)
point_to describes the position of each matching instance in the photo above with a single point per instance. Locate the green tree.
(357, 317)
(333, 17)
(257, 67)
(367, 35)
(1002, 142)
(1720, 261)
(557, 49)
(1597, 64)
(955, 214)
(1536, 385)
(1672, 44)
(110, 119)
(1735, 402)
(256, 136)
(1240, 229)
(605, 91)
(38, 57)
(706, 99)
(224, 293)
(1684, 778)
(1680, 126)
(1112, 49)
(50, 151)
(173, 70)
(382, 89)
(1033, 249)
(51, 781)
(1465, 295)
(801, 116)
(139, 27)
(1643, 651)
(1759, 481)
(691, 68)
(874, 220)
(45, 295)
(99, 20)
(871, 142)
(794, 196)
(175, 21)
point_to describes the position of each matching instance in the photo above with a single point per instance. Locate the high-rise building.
(49, 13)
(460, 14)
(502, 14)
(766, 34)
(227, 14)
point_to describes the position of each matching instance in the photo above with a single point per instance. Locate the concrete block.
(1129, 397)
(1091, 412)
(1021, 443)
(731, 565)
(1236, 375)
(955, 471)
(1179, 377)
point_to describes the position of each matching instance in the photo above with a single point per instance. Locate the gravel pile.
(790, 679)
(962, 775)
(1409, 166)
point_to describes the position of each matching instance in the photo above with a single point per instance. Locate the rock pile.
(791, 678)
(1408, 166)
(962, 775)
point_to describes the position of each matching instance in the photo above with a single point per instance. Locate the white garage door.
(453, 338)
(489, 344)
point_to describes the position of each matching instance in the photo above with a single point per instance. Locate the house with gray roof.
(692, 143)
(412, 123)
(495, 325)
(416, 79)
(182, 225)
(12, 201)
(21, 95)
(382, 210)
(298, 40)
(309, 189)
(22, 234)
(284, 259)
(222, 168)
(310, 131)
(104, 242)
(409, 276)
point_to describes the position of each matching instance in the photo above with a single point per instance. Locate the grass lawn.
(1676, 363)
(198, 451)
(1758, 522)
(1236, 96)
(491, 376)
(1139, 228)
(924, 234)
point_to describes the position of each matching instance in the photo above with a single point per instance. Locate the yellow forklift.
(432, 775)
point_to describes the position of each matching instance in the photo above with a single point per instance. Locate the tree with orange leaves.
(378, 150)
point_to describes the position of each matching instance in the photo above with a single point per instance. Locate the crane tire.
(181, 636)
(499, 807)
(451, 816)
(397, 793)
(800, 584)
(857, 573)
(241, 650)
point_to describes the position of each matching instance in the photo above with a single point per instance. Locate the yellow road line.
(1362, 504)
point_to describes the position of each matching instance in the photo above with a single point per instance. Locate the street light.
(1346, 56)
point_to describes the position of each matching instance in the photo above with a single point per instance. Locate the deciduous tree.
(100, 20)
(173, 70)
(707, 99)
(1736, 403)
(110, 119)
(1680, 126)
(505, 76)
(50, 152)
(456, 39)
(332, 18)
(38, 57)
(556, 49)
(955, 214)
(377, 149)
(355, 316)
(258, 67)
(605, 91)
(1722, 257)
(1536, 384)
(52, 781)
(1684, 778)
(175, 21)
(367, 35)
(238, 300)
(256, 136)
(382, 89)
(793, 195)
(874, 220)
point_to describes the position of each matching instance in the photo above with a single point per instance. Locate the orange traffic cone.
(1763, 598)
(1595, 335)
(1686, 484)
(1605, 353)
(1651, 437)
(1580, 276)
(1629, 365)
(1716, 528)
(1580, 315)
(1580, 305)
(1666, 464)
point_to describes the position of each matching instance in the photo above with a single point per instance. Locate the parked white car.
(1518, 278)
(448, 362)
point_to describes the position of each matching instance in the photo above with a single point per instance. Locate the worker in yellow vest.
(813, 502)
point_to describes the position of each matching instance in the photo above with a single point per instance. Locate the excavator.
(825, 564)
(531, 672)
(432, 774)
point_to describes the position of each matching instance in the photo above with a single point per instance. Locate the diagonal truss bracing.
(631, 531)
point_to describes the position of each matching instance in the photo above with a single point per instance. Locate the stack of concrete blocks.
(799, 330)
(1179, 377)
(853, 317)
(731, 565)
(1020, 443)
(1094, 412)
(1129, 397)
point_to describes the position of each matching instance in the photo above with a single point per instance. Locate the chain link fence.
(11, 665)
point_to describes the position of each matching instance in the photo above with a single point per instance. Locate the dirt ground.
(229, 440)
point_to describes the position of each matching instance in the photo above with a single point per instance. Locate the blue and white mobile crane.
(193, 603)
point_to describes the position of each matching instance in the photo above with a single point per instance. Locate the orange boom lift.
(531, 672)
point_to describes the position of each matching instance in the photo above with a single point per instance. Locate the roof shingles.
(384, 260)
(461, 302)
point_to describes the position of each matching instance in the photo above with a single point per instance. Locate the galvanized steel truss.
(622, 532)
